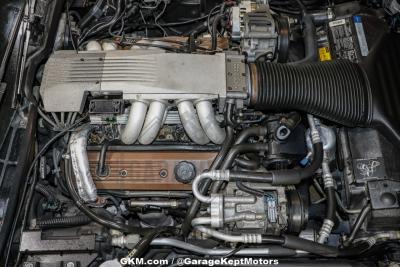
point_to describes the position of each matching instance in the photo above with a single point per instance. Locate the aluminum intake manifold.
(137, 75)
(150, 81)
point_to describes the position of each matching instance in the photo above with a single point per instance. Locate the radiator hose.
(63, 222)
(282, 177)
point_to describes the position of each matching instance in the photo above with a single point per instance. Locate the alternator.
(259, 33)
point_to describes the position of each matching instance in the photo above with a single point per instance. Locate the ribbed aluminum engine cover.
(69, 76)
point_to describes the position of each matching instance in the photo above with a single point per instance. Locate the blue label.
(362, 41)
(357, 19)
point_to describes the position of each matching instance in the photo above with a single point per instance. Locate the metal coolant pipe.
(133, 127)
(210, 125)
(258, 251)
(153, 122)
(80, 165)
(246, 238)
(191, 123)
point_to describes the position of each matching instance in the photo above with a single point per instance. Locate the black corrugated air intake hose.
(351, 94)
(337, 90)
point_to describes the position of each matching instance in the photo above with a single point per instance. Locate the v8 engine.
(225, 129)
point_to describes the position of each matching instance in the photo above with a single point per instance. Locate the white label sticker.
(337, 22)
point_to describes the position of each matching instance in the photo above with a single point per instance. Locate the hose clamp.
(217, 210)
(219, 175)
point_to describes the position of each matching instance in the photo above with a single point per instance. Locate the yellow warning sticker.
(324, 54)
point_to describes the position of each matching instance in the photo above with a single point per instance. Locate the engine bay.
(202, 129)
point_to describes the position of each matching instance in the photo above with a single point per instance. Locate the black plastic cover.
(382, 67)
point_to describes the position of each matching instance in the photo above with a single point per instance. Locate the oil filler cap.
(185, 172)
